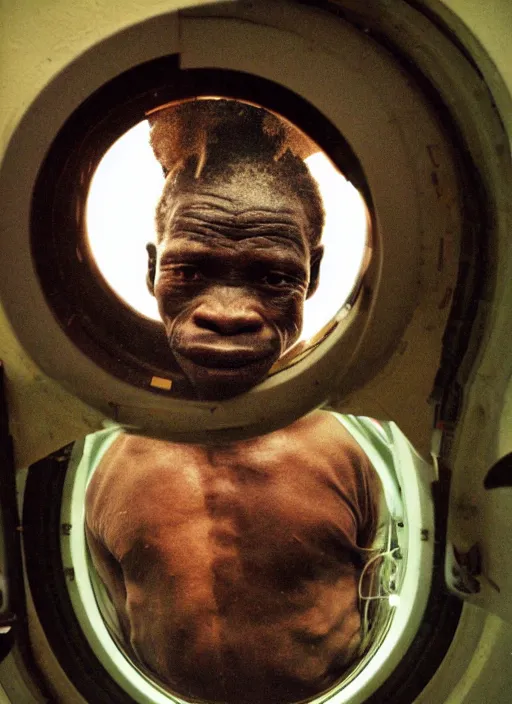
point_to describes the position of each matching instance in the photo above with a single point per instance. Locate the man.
(238, 251)
(234, 568)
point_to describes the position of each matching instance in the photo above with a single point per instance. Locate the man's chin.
(217, 384)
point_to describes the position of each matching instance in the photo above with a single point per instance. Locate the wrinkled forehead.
(241, 189)
(237, 212)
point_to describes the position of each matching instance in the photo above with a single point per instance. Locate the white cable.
(387, 554)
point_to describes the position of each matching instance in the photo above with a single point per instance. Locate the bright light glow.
(394, 599)
(344, 238)
(120, 221)
(120, 216)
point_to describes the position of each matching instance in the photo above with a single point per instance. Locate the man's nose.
(228, 317)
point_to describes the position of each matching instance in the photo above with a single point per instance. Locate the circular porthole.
(78, 233)
(83, 626)
(120, 221)
(117, 359)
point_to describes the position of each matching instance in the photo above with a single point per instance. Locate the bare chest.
(251, 507)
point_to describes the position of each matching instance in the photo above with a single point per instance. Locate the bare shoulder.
(125, 449)
(329, 439)
(133, 451)
(123, 466)
(135, 474)
(322, 428)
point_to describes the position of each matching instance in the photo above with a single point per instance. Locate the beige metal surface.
(391, 338)
(477, 516)
(39, 41)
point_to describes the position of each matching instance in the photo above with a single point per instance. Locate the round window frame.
(368, 337)
(418, 535)
(126, 345)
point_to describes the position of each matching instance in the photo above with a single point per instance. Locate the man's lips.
(226, 355)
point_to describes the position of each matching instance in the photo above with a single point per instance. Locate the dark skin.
(230, 274)
(234, 568)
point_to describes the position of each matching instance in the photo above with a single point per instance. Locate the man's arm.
(359, 483)
(370, 493)
(105, 563)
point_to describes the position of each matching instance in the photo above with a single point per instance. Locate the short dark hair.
(208, 140)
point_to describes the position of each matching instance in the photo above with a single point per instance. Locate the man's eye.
(277, 279)
(186, 273)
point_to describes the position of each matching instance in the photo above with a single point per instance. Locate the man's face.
(230, 275)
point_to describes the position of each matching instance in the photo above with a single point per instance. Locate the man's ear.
(315, 259)
(150, 276)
